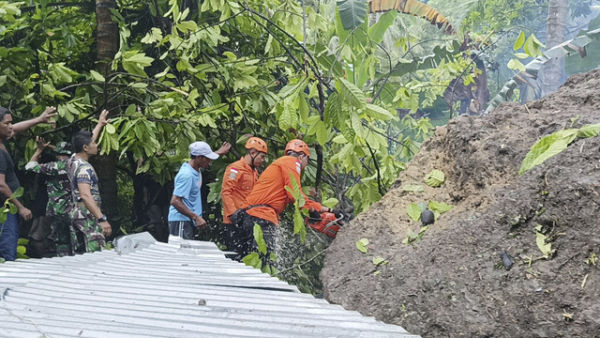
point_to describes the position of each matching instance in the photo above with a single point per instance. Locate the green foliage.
(378, 260)
(435, 178)
(412, 188)
(352, 12)
(553, 144)
(299, 226)
(438, 208)
(260, 240)
(542, 244)
(412, 237)
(414, 211)
(253, 260)
(224, 69)
(592, 259)
(259, 259)
(362, 244)
(377, 30)
(9, 206)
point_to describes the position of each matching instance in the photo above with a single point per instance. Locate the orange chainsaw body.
(329, 224)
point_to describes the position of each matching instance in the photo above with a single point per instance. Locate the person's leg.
(95, 237)
(237, 241)
(63, 236)
(9, 237)
(89, 234)
(269, 236)
(269, 233)
(244, 235)
(227, 235)
(52, 237)
(173, 228)
(188, 230)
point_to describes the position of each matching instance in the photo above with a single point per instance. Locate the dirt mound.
(452, 281)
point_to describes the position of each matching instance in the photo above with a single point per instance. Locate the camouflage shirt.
(81, 171)
(57, 185)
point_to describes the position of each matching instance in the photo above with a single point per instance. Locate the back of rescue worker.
(269, 197)
(270, 190)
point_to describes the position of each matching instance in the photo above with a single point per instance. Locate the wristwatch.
(102, 219)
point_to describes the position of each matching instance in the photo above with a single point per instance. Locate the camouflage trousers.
(88, 234)
(62, 237)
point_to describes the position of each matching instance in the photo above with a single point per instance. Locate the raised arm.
(309, 204)
(41, 145)
(102, 121)
(224, 149)
(22, 126)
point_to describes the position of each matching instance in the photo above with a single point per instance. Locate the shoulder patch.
(298, 167)
(232, 174)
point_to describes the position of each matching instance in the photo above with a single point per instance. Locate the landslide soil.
(452, 282)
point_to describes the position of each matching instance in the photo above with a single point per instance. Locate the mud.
(452, 282)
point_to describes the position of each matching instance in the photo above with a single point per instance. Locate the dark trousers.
(243, 235)
(9, 237)
(183, 229)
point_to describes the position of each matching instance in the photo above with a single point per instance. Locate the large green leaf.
(253, 260)
(439, 207)
(589, 130)
(540, 240)
(379, 113)
(519, 42)
(134, 62)
(547, 147)
(435, 178)
(350, 93)
(377, 31)
(299, 226)
(260, 240)
(361, 245)
(352, 12)
(414, 211)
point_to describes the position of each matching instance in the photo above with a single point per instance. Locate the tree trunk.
(107, 39)
(107, 34)
(555, 34)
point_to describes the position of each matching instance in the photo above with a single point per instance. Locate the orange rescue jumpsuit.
(270, 190)
(238, 181)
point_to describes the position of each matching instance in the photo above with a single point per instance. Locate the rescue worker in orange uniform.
(238, 180)
(269, 197)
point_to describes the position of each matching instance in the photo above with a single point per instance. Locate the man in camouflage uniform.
(89, 222)
(62, 235)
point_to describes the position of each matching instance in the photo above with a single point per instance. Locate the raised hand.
(103, 119)
(224, 149)
(48, 114)
(41, 143)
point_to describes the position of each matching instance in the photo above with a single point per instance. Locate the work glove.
(314, 216)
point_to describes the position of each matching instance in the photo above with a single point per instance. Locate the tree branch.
(387, 76)
(379, 184)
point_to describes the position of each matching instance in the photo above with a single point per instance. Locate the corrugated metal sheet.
(148, 289)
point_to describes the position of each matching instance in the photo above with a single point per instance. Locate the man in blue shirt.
(185, 212)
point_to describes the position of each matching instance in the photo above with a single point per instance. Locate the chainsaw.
(328, 223)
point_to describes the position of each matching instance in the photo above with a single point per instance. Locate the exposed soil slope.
(452, 282)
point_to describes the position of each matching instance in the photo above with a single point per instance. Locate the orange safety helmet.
(297, 146)
(257, 144)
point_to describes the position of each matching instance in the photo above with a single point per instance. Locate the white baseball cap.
(203, 149)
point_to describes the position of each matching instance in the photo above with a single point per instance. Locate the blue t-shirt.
(187, 186)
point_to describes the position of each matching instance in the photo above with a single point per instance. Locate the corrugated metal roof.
(148, 289)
